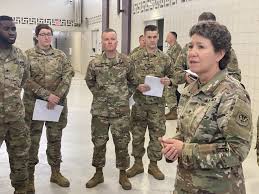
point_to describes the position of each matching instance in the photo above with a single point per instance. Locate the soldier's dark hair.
(109, 30)
(35, 41)
(205, 16)
(5, 18)
(39, 27)
(150, 28)
(174, 33)
(140, 36)
(219, 36)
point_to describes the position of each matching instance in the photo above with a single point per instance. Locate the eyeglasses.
(44, 35)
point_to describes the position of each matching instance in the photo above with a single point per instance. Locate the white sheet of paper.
(156, 88)
(42, 113)
(190, 72)
(131, 101)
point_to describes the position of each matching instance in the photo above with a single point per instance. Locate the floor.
(77, 151)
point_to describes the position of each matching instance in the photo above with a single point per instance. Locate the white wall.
(37, 8)
(92, 10)
(115, 21)
(241, 18)
(76, 50)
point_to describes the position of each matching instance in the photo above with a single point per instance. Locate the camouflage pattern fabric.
(170, 91)
(111, 82)
(14, 70)
(174, 51)
(149, 111)
(181, 64)
(119, 127)
(215, 124)
(51, 73)
(232, 67)
(135, 50)
(152, 116)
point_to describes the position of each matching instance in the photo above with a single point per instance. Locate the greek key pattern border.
(36, 21)
(94, 20)
(149, 5)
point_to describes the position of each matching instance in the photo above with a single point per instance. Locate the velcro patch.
(242, 119)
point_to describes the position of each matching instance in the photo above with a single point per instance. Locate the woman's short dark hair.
(39, 27)
(219, 36)
(205, 16)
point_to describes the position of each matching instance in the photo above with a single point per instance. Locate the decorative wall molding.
(51, 22)
(94, 20)
(149, 5)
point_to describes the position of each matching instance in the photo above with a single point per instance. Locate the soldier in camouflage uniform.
(110, 77)
(181, 64)
(149, 111)
(170, 92)
(51, 74)
(214, 129)
(142, 45)
(14, 71)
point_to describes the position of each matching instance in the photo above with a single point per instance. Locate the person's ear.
(220, 54)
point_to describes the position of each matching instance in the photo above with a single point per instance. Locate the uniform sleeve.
(37, 89)
(131, 78)
(90, 77)
(181, 65)
(232, 66)
(67, 74)
(33, 86)
(169, 71)
(174, 53)
(26, 74)
(235, 121)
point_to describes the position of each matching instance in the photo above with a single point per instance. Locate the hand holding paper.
(42, 113)
(156, 87)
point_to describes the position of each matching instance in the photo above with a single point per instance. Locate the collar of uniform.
(209, 87)
(106, 59)
(11, 56)
(156, 53)
(173, 46)
(50, 51)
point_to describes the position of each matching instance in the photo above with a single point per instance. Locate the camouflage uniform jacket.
(181, 64)
(14, 71)
(215, 124)
(111, 82)
(137, 49)
(174, 51)
(51, 73)
(158, 65)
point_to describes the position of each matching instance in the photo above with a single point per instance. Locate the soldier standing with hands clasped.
(214, 129)
(110, 77)
(51, 75)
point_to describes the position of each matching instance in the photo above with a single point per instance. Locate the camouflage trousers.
(170, 97)
(17, 139)
(210, 181)
(53, 133)
(153, 117)
(120, 133)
